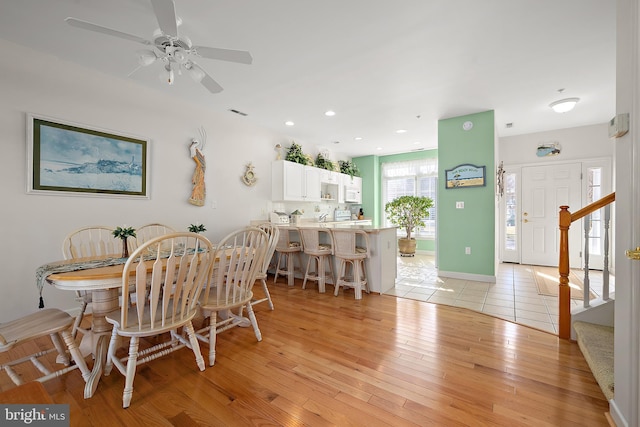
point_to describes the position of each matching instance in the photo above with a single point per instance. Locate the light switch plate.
(459, 205)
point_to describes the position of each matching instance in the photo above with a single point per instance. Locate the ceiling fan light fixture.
(146, 57)
(194, 71)
(564, 105)
(167, 75)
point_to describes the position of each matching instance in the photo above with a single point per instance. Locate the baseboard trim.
(467, 276)
(616, 415)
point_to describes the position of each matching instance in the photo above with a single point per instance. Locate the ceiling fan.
(174, 50)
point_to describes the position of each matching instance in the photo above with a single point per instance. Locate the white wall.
(33, 226)
(585, 142)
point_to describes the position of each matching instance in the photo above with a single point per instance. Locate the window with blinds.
(412, 178)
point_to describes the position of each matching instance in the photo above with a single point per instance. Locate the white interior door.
(544, 190)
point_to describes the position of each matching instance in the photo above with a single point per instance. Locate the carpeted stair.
(596, 344)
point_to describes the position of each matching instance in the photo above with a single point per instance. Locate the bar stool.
(287, 248)
(348, 253)
(318, 254)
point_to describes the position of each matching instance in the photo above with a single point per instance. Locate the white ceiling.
(381, 65)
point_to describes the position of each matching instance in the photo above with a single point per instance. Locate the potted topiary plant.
(123, 234)
(408, 212)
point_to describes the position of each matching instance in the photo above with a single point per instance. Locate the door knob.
(526, 220)
(525, 214)
(633, 254)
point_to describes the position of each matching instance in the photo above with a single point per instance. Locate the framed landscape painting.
(465, 175)
(72, 159)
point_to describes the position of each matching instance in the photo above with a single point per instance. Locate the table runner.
(65, 266)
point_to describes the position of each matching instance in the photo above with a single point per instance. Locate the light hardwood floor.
(328, 360)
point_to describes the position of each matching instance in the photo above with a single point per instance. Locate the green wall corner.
(474, 225)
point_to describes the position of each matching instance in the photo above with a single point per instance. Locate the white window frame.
(416, 170)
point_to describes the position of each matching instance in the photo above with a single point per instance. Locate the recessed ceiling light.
(379, 148)
(416, 143)
(401, 131)
(329, 113)
(358, 138)
(289, 123)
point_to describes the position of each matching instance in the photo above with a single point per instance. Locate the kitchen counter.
(383, 245)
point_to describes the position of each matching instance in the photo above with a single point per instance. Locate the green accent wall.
(473, 226)
(371, 172)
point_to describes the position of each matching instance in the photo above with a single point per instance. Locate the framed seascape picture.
(71, 159)
(465, 175)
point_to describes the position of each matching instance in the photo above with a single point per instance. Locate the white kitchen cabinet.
(313, 188)
(330, 177)
(294, 182)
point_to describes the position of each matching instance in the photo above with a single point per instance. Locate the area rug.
(547, 279)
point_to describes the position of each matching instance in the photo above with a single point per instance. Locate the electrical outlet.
(459, 205)
(467, 250)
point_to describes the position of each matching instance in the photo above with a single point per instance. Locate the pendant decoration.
(249, 178)
(500, 180)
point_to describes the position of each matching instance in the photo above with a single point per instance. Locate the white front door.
(544, 190)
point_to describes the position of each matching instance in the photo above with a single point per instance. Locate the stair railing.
(564, 293)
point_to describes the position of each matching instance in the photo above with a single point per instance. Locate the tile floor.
(513, 297)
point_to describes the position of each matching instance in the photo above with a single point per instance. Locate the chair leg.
(131, 372)
(111, 352)
(62, 351)
(212, 337)
(79, 317)
(291, 268)
(357, 284)
(195, 346)
(267, 294)
(341, 274)
(254, 322)
(306, 273)
(278, 261)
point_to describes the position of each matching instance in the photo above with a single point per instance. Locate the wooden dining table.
(104, 283)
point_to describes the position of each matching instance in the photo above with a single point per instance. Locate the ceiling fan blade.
(199, 74)
(104, 30)
(134, 70)
(240, 56)
(165, 11)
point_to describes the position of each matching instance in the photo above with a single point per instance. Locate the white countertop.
(352, 224)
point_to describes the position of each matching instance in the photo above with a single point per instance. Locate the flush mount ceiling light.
(401, 131)
(289, 123)
(330, 113)
(564, 105)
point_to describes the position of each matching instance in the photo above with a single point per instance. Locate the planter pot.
(407, 247)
